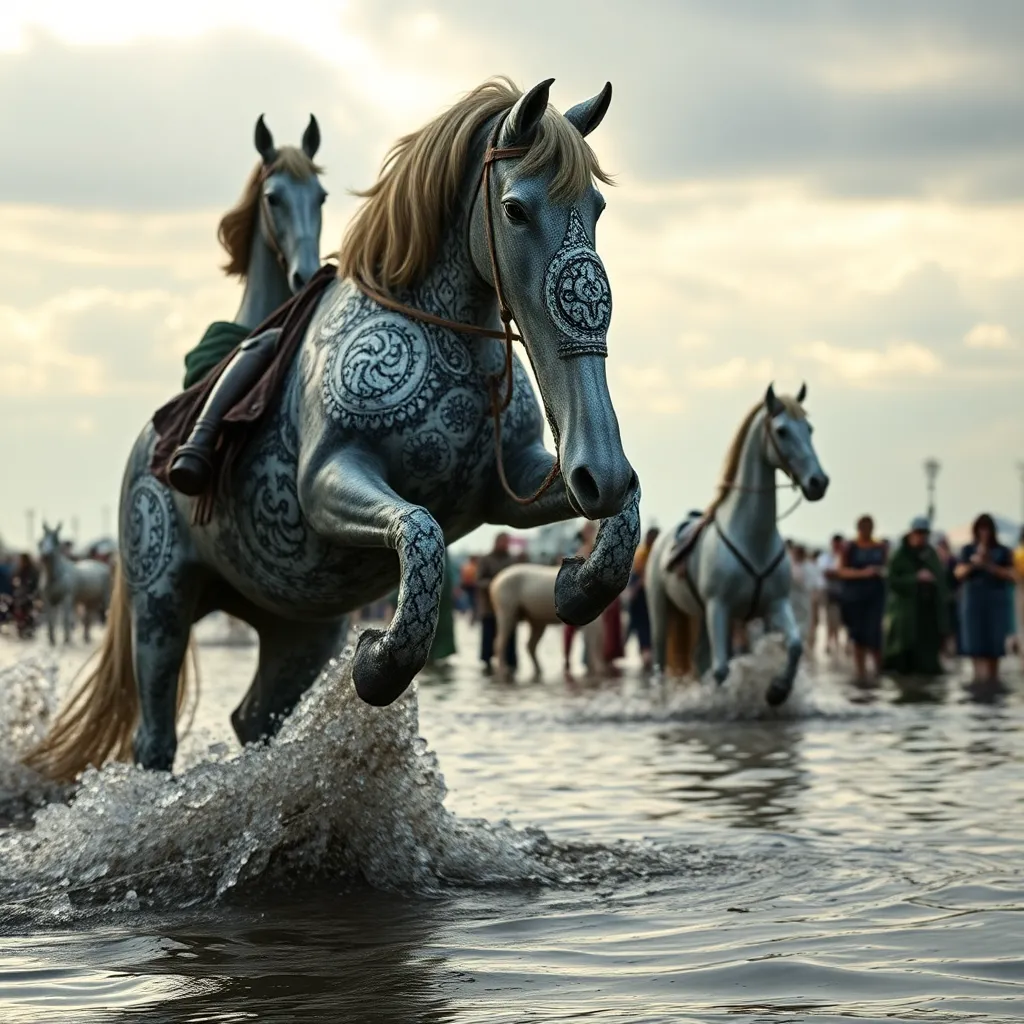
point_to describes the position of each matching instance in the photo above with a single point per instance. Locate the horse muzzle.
(815, 486)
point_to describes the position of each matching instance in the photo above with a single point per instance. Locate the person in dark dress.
(862, 571)
(951, 643)
(986, 577)
(636, 598)
(916, 610)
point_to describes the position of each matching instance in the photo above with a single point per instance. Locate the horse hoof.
(380, 679)
(721, 674)
(575, 604)
(778, 691)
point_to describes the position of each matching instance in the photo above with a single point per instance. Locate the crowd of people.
(897, 608)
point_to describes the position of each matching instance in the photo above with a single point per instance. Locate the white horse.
(67, 585)
(730, 565)
(526, 592)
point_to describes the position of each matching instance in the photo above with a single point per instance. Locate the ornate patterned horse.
(731, 563)
(68, 585)
(403, 424)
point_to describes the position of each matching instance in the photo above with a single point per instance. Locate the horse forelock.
(731, 466)
(237, 227)
(394, 237)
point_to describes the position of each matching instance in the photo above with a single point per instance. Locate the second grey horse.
(67, 586)
(731, 563)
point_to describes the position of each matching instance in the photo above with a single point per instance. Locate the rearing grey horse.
(730, 564)
(382, 447)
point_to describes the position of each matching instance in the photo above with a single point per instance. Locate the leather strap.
(506, 334)
(758, 577)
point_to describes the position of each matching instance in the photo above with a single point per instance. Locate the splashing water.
(345, 790)
(740, 698)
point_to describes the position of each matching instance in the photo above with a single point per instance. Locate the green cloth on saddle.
(916, 613)
(221, 337)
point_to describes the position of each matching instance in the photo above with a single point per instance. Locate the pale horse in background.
(731, 565)
(526, 593)
(68, 585)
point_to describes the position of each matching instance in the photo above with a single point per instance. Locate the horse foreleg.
(780, 617)
(657, 610)
(347, 501)
(718, 623)
(68, 614)
(51, 622)
(536, 632)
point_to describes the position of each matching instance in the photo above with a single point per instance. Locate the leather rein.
(498, 404)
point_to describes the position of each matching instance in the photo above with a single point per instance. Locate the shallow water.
(553, 852)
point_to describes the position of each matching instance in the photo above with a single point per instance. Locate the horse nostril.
(584, 487)
(297, 281)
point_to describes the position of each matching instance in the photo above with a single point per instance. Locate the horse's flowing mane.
(393, 238)
(237, 226)
(731, 467)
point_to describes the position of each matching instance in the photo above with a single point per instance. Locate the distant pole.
(105, 516)
(30, 525)
(1020, 469)
(931, 471)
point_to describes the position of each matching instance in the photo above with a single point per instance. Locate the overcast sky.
(829, 192)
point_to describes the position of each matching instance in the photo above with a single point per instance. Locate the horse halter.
(506, 334)
(268, 222)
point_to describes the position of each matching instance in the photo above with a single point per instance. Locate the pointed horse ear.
(586, 116)
(771, 401)
(311, 138)
(264, 141)
(56, 529)
(802, 394)
(521, 124)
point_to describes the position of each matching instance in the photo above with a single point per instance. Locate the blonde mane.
(237, 226)
(731, 466)
(393, 239)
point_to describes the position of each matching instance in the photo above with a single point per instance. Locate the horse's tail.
(680, 637)
(98, 722)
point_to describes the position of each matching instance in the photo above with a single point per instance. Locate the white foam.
(345, 791)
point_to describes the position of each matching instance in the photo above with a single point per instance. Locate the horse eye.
(782, 431)
(273, 199)
(514, 211)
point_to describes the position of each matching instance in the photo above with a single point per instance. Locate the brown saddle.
(686, 539)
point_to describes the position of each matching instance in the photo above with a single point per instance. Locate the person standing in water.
(636, 599)
(862, 571)
(1018, 594)
(986, 576)
(917, 614)
(487, 568)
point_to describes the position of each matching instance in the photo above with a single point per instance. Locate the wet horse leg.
(348, 502)
(292, 656)
(780, 616)
(718, 622)
(536, 632)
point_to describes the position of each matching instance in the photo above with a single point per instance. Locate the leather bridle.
(498, 403)
(268, 222)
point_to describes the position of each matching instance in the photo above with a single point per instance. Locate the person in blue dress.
(862, 572)
(985, 571)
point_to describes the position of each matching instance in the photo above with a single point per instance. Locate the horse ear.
(46, 528)
(802, 394)
(521, 124)
(311, 138)
(56, 529)
(586, 116)
(771, 402)
(264, 141)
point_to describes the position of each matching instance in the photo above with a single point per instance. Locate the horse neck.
(266, 285)
(748, 513)
(452, 288)
(55, 565)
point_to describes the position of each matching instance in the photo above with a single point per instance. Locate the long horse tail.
(97, 724)
(680, 640)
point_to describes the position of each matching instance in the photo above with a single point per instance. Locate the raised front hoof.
(575, 604)
(190, 471)
(380, 679)
(721, 674)
(778, 690)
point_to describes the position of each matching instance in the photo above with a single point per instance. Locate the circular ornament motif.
(378, 372)
(151, 532)
(576, 289)
(426, 455)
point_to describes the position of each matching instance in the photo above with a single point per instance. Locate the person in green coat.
(917, 609)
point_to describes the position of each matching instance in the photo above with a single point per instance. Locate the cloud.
(899, 363)
(989, 336)
(648, 390)
(733, 372)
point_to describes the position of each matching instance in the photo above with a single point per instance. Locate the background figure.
(487, 568)
(917, 617)
(468, 583)
(800, 590)
(949, 563)
(829, 563)
(986, 577)
(636, 598)
(444, 639)
(862, 571)
(586, 545)
(1018, 573)
(819, 598)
